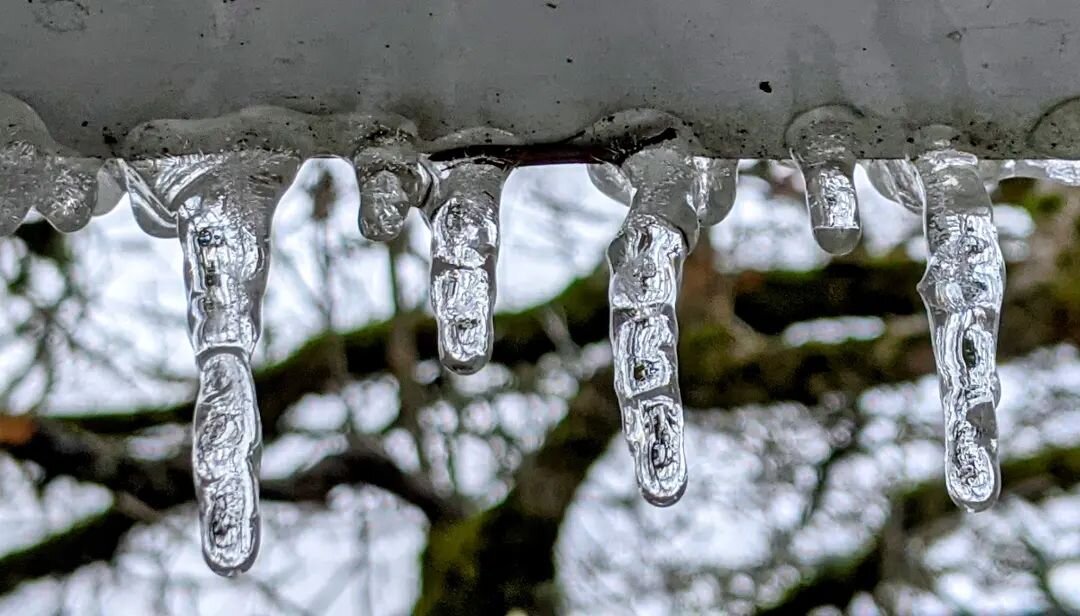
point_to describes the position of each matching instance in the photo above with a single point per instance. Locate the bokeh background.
(392, 487)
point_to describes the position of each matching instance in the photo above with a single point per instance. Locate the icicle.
(715, 187)
(392, 179)
(37, 172)
(646, 260)
(963, 289)
(463, 213)
(896, 180)
(822, 143)
(220, 206)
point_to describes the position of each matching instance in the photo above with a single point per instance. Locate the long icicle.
(963, 289)
(464, 220)
(822, 143)
(646, 260)
(223, 205)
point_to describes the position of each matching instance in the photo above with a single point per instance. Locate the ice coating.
(36, 172)
(646, 260)
(222, 206)
(714, 186)
(392, 179)
(821, 143)
(1062, 171)
(18, 175)
(896, 180)
(464, 221)
(963, 289)
(611, 181)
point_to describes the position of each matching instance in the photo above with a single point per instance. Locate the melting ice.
(221, 206)
(963, 288)
(646, 260)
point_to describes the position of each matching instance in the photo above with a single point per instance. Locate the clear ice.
(221, 207)
(611, 181)
(1062, 171)
(896, 180)
(464, 220)
(821, 143)
(392, 179)
(714, 186)
(963, 289)
(37, 172)
(646, 260)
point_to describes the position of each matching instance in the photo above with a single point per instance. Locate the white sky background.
(752, 469)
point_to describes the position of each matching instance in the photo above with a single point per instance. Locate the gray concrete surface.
(737, 70)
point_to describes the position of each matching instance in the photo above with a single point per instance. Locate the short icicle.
(463, 214)
(897, 180)
(221, 207)
(715, 184)
(963, 289)
(392, 179)
(822, 143)
(646, 260)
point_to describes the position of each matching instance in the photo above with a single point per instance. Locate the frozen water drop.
(963, 288)
(646, 260)
(837, 241)
(896, 180)
(464, 221)
(716, 182)
(821, 142)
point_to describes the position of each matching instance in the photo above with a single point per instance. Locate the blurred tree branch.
(768, 301)
(836, 583)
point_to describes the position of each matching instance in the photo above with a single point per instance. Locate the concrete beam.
(737, 71)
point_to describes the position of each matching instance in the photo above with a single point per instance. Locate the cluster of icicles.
(214, 184)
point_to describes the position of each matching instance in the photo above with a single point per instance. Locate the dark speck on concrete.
(765, 87)
(551, 5)
(955, 35)
(569, 60)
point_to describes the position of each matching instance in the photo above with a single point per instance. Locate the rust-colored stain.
(16, 430)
